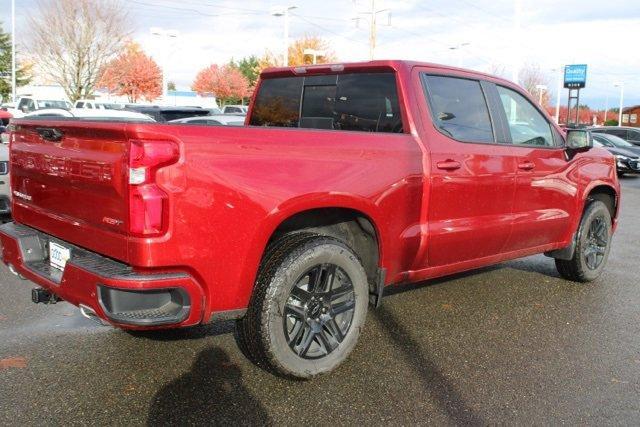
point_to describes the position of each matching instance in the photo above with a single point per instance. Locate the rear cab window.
(365, 102)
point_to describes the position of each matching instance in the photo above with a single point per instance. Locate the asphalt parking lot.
(508, 344)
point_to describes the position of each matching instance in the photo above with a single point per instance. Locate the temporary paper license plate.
(58, 255)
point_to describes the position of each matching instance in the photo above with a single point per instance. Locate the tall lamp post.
(166, 35)
(13, 51)
(373, 25)
(621, 86)
(560, 71)
(284, 11)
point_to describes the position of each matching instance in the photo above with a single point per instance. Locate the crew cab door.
(545, 197)
(472, 172)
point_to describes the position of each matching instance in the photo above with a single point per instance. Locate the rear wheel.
(593, 244)
(308, 307)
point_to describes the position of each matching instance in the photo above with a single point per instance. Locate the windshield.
(602, 141)
(53, 104)
(618, 142)
(109, 106)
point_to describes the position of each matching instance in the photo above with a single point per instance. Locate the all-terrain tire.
(577, 269)
(262, 333)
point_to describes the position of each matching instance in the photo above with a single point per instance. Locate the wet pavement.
(508, 344)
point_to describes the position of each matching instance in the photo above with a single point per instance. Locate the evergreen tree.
(23, 76)
(249, 67)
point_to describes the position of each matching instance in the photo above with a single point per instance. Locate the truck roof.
(377, 65)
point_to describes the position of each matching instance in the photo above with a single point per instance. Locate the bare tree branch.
(73, 39)
(532, 76)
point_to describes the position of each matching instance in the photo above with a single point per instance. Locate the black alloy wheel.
(319, 311)
(596, 244)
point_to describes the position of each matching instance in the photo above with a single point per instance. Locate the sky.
(601, 34)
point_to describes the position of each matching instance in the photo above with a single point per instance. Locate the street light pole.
(516, 42)
(285, 13)
(373, 25)
(560, 75)
(165, 34)
(13, 51)
(621, 86)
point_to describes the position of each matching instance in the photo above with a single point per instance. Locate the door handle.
(449, 165)
(526, 166)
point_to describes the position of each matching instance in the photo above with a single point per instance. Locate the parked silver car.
(219, 119)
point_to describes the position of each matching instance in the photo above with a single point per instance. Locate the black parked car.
(166, 114)
(629, 134)
(627, 158)
(615, 141)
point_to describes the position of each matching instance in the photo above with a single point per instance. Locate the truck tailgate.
(70, 178)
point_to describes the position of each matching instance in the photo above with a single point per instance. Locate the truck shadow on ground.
(212, 393)
(440, 388)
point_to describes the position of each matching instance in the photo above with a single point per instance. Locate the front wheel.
(593, 244)
(308, 307)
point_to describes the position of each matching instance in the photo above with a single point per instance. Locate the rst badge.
(22, 196)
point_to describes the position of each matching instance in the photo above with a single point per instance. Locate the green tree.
(249, 67)
(171, 86)
(23, 73)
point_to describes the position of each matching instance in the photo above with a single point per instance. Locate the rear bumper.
(116, 293)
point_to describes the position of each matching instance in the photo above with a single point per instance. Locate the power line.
(326, 29)
(195, 11)
(500, 17)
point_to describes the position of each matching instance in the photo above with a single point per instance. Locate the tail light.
(148, 203)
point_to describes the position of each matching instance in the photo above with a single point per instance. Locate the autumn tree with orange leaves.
(227, 83)
(134, 74)
(297, 56)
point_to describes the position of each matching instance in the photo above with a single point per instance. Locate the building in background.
(181, 98)
(630, 116)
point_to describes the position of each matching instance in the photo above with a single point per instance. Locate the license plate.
(58, 255)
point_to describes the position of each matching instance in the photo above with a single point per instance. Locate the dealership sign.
(575, 76)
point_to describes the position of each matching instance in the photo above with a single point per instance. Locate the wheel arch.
(350, 219)
(606, 194)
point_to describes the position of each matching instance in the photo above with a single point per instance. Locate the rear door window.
(621, 133)
(634, 135)
(459, 108)
(366, 102)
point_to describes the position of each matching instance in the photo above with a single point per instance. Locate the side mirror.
(579, 139)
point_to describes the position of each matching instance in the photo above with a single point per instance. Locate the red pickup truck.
(346, 179)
